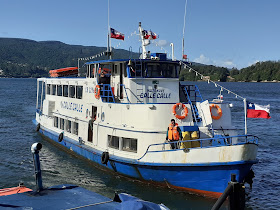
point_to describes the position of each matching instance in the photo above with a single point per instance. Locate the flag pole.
(183, 40)
(108, 41)
(245, 113)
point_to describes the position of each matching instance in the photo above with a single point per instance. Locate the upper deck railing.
(203, 143)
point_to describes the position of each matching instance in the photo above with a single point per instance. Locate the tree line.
(28, 58)
(259, 72)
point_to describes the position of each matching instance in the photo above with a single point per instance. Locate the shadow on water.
(17, 133)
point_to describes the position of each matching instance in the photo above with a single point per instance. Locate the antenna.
(183, 40)
(108, 41)
(144, 51)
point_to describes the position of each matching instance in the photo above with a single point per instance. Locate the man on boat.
(103, 80)
(174, 134)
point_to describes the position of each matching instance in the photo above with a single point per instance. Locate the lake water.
(17, 134)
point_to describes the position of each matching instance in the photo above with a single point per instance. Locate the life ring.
(180, 116)
(60, 137)
(104, 157)
(220, 113)
(97, 92)
(38, 127)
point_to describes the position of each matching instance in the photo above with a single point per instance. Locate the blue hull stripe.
(212, 177)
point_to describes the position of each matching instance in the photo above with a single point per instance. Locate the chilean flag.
(149, 35)
(257, 111)
(116, 35)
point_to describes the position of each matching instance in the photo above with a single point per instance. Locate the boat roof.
(71, 196)
(126, 60)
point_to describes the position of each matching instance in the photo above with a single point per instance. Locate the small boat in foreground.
(66, 196)
(119, 119)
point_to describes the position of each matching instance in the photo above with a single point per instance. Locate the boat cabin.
(153, 80)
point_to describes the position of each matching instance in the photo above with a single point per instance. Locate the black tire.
(104, 157)
(60, 137)
(38, 127)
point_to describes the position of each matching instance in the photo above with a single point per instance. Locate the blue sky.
(220, 32)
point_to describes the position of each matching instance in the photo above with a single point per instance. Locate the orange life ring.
(97, 92)
(180, 116)
(220, 113)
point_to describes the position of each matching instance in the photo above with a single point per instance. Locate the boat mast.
(144, 51)
(183, 40)
(109, 32)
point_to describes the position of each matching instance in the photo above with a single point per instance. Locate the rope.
(94, 204)
(208, 80)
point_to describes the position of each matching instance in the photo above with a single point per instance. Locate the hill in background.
(28, 58)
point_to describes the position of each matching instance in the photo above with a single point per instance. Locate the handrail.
(227, 142)
(132, 94)
(125, 92)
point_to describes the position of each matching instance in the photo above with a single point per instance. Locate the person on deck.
(174, 134)
(103, 80)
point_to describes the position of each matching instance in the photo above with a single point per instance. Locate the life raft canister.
(183, 107)
(220, 113)
(97, 91)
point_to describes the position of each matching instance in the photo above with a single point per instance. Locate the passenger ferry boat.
(122, 123)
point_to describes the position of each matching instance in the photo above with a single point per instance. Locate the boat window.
(59, 90)
(56, 122)
(72, 91)
(79, 92)
(129, 144)
(48, 89)
(115, 72)
(75, 128)
(54, 90)
(113, 141)
(164, 70)
(61, 124)
(65, 90)
(136, 69)
(68, 126)
(125, 72)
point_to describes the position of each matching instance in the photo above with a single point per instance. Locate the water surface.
(17, 134)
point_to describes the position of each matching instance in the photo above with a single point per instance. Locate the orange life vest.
(173, 133)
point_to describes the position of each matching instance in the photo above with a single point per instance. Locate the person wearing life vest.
(174, 134)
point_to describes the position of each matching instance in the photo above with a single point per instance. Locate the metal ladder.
(139, 84)
(193, 95)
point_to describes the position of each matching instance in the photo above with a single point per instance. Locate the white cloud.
(223, 63)
(252, 63)
(161, 43)
(202, 59)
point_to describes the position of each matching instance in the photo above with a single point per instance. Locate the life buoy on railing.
(97, 91)
(220, 113)
(183, 107)
(104, 157)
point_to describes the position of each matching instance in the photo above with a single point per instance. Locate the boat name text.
(71, 106)
(155, 93)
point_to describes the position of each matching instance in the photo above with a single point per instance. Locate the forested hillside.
(268, 71)
(261, 71)
(28, 58)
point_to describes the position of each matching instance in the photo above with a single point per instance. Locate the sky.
(228, 33)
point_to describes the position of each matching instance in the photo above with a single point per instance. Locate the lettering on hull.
(71, 106)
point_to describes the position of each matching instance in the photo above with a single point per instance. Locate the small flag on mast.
(116, 35)
(258, 111)
(149, 35)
